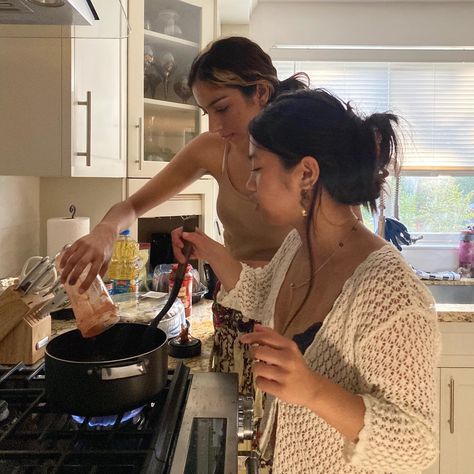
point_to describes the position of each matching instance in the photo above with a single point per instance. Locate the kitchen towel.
(64, 230)
(447, 275)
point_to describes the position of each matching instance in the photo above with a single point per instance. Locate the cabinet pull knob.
(139, 126)
(88, 104)
(451, 405)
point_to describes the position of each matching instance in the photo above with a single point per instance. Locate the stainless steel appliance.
(193, 426)
(48, 12)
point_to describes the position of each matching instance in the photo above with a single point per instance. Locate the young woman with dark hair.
(348, 342)
(232, 80)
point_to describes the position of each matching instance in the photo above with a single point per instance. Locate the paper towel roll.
(64, 230)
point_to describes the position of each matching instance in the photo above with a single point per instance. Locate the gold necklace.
(293, 286)
(340, 245)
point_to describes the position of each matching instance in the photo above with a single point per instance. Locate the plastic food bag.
(94, 309)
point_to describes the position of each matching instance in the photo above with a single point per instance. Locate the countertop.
(454, 313)
(462, 281)
(202, 327)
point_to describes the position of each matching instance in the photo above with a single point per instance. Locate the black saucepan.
(102, 375)
(118, 370)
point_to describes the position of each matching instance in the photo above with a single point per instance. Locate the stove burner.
(38, 437)
(108, 420)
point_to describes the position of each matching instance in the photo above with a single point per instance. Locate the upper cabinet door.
(30, 106)
(96, 109)
(63, 99)
(165, 37)
(112, 22)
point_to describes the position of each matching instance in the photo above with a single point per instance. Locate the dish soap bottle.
(466, 253)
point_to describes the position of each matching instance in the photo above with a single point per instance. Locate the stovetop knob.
(245, 428)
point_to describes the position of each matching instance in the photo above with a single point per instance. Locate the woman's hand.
(203, 247)
(224, 265)
(280, 369)
(94, 249)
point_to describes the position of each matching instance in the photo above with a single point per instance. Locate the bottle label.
(109, 285)
(125, 286)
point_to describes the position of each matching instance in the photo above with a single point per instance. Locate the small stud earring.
(304, 198)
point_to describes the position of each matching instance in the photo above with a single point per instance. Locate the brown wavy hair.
(239, 62)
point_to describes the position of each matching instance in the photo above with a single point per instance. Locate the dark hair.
(353, 152)
(239, 62)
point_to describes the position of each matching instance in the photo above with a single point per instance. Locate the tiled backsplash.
(19, 222)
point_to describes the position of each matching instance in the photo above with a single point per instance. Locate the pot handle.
(113, 373)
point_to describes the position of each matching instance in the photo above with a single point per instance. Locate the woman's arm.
(250, 290)
(391, 421)
(200, 156)
(281, 371)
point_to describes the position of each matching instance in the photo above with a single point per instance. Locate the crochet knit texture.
(380, 341)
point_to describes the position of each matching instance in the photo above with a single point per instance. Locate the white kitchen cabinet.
(198, 199)
(162, 117)
(456, 400)
(112, 23)
(63, 104)
(457, 421)
(96, 145)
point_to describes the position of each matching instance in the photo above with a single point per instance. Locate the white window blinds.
(435, 101)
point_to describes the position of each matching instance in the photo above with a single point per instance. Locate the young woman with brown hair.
(232, 80)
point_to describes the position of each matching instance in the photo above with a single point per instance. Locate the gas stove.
(192, 426)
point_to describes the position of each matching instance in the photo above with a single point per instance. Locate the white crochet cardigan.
(380, 341)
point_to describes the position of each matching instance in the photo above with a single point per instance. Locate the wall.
(371, 23)
(19, 222)
(92, 197)
(363, 23)
(228, 29)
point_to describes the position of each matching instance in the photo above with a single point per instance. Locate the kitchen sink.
(457, 294)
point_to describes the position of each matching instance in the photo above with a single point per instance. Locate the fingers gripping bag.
(94, 309)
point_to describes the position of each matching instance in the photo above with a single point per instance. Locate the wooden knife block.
(22, 332)
(27, 341)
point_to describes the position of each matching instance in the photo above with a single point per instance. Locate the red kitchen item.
(185, 293)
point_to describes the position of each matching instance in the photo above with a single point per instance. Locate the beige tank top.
(246, 234)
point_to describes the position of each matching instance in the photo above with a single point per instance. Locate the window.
(436, 103)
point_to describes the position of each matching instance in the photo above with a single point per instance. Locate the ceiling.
(239, 11)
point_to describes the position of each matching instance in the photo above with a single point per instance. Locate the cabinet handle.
(88, 104)
(139, 126)
(451, 405)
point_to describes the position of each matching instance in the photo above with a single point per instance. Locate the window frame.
(448, 239)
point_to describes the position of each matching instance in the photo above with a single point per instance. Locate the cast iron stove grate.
(37, 439)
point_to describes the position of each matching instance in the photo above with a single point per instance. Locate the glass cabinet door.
(166, 117)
